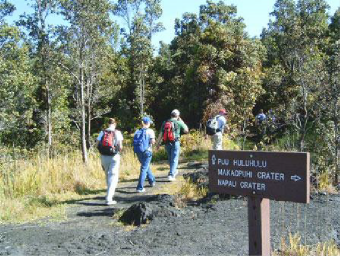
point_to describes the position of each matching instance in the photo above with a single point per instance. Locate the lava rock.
(157, 206)
(137, 214)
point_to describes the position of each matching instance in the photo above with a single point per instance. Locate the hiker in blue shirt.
(217, 138)
(261, 117)
(144, 138)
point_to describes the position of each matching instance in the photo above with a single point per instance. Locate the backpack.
(261, 117)
(212, 126)
(141, 141)
(169, 131)
(107, 145)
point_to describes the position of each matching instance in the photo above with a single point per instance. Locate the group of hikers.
(110, 144)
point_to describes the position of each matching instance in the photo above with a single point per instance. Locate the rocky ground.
(213, 226)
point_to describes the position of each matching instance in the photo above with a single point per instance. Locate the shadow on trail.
(80, 201)
(102, 203)
(108, 212)
(133, 199)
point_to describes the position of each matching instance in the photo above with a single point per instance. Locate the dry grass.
(36, 188)
(325, 184)
(294, 247)
(42, 176)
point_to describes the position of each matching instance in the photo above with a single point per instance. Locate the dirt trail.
(218, 228)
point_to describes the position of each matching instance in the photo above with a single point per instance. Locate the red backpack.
(169, 131)
(107, 144)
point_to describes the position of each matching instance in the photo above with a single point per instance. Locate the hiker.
(261, 117)
(170, 135)
(110, 144)
(215, 128)
(143, 140)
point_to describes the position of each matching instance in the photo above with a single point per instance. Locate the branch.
(100, 115)
(69, 70)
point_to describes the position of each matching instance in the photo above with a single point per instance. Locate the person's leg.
(168, 148)
(174, 158)
(219, 141)
(106, 161)
(214, 141)
(150, 176)
(112, 174)
(144, 160)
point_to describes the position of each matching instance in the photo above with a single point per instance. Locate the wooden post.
(259, 226)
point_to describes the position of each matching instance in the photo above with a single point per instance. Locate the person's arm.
(119, 141)
(120, 146)
(159, 140)
(184, 127)
(152, 138)
(99, 138)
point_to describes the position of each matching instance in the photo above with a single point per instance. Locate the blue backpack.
(141, 141)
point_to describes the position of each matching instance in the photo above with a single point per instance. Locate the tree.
(86, 48)
(16, 84)
(44, 58)
(212, 62)
(333, 90)
(140, 18)
(294, 42)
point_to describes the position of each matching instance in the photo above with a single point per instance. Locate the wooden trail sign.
(281, 176)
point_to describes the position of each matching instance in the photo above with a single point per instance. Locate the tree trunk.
(83, 116)
(337, 145)
(49, 120)
(89, 106)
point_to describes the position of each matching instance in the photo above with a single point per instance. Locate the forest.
(61, 83)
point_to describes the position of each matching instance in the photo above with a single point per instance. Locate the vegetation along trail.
(174, 226)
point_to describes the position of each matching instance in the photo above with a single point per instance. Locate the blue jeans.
(173, 149)
(145, 171)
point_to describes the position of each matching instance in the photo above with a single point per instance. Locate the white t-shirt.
(151, 133)
(118, 135)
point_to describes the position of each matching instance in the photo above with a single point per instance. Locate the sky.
(256, 14)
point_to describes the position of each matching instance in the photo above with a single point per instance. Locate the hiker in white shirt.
(110, 163)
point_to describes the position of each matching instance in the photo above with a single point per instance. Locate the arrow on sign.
(295, 178)
(213, 159)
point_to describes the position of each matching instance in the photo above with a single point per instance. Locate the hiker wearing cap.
(110, 144)
(143, 140)
(220, 125)
(170, 135)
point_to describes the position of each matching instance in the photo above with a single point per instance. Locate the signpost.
(281, 176)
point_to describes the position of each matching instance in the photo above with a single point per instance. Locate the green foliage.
(59, 84)
(210, 61)
(17, 85)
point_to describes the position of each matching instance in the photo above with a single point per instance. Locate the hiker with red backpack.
(110, 144)
(170, 135)
(143, 140)
(215, 128)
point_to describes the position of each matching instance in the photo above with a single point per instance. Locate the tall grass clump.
(37, 185)
(32, 184)
(42, 176)
(296, 248)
